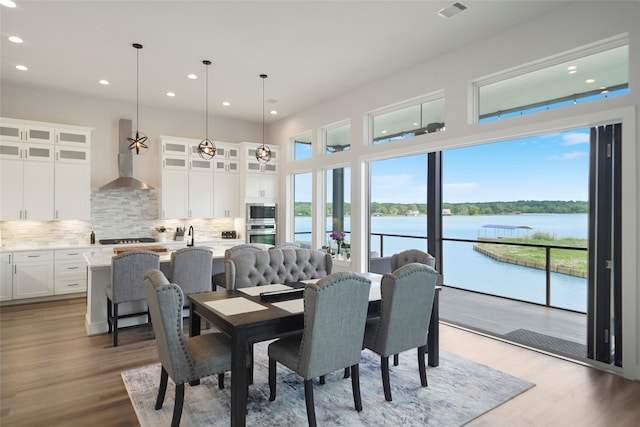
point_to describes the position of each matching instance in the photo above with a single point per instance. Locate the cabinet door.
(226, 202)
(200, 194)
(33, 278)
(175, 147)
(72, 191)
(175, 193)
(38, 134)
(11, 172)
(11, 132)
(261, 186)
(6, 277)
(77, 137)
(11, 150)
(38, 190)
(72, 155)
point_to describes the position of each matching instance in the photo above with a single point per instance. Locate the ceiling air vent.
(452, 10)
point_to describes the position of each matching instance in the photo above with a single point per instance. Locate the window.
(408, 120)
(581, 79)
(302, 148)
(302, 209)
(338, 210)
(337, 137)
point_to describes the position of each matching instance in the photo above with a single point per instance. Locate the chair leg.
(177, 409)
(221, 381)
(164, 376)
(272, 379)
(346, 373)
(396, 359)
(322, 379)
(109, 314)
(421, 366)
(384, 365)
(355, 386)
(115, 325)
(308, 397)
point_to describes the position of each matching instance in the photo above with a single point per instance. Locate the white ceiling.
(311, 50)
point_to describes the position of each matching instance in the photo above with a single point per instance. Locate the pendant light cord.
(264, 76)
(206, 117)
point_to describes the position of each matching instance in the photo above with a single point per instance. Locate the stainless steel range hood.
(125, 163)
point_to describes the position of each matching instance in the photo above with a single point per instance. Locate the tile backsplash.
(114, 214)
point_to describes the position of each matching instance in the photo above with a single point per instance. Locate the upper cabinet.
(45, 174)
(260, 180)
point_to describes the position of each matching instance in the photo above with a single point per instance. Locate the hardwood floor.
(53, 374)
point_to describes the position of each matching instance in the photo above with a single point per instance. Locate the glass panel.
(175, 162)
(302, 209)
(409, 121)
(302, 146)
(338, 138)
(13, 132)
(253, 166)
(201, 164)
(10, 150)
(39, 134)
(398, 205)
(600, 75)
(175, 148)
(73, 154)
(72, 137)
(39, 152)
(519, 202)
(338, 212)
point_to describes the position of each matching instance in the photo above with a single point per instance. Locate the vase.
(162, 237)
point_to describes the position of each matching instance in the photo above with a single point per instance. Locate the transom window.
(408, 120)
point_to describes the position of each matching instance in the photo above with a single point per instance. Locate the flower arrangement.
(338, 236)
(161, 229)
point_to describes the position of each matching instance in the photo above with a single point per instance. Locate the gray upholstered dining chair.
(407, 301)
(127, 284)
(335, 312)
(191, 269)
(411, 255)
(287, 245)
(219, 279)
(183, 359)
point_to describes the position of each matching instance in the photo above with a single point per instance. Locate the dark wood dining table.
(247, 328)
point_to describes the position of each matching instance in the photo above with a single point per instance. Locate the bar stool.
(191, 270)
(127, 284)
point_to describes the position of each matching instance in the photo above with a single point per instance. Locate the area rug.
(526, 336)
(459, 390)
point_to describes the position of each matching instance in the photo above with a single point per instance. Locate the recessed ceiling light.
(571, 67)
(589, 81)
(7, 3)
(273, 112)
(226, 103)
(171, 94)
(22, 67)
(192, 76)
(15, 39)
(384, 131)
(104, 82)
(572, 71)
(604, 91)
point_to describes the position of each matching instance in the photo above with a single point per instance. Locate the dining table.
(248, 317)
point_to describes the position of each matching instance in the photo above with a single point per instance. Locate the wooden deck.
(500, 316)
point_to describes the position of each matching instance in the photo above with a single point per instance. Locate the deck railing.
(547, 248)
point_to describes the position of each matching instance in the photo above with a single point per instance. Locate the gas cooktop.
(127, 240)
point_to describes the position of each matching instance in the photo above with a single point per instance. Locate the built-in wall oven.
(261, 223)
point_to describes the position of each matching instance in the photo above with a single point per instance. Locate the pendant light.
(263, 153)
(138, 140)
(206, 148)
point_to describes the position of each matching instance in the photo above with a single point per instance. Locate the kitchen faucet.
(191, 235)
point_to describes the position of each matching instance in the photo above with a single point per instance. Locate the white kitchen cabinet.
(72, 183)
(27, 187)
(72, 136)
(172, 146)
(175, 189)
(20, 130)
(32, 274)
(6, 276)
(200, 191)
(260, 180)
(70, 271)
(226, 190)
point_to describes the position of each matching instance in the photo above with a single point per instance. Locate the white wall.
(577, 25)
(103, 115)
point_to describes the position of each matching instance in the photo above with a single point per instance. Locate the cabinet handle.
(33, 256)
(73, 284)
(72, 268)
(15, 269)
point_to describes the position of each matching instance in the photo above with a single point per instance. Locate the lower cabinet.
(32, 274)
(6, 276)
(71, 272)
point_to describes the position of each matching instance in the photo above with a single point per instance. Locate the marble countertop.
(102, 259)
(30, 246)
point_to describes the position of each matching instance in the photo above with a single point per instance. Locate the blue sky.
(547, 167)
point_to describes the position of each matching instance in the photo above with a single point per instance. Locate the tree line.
(477, 208)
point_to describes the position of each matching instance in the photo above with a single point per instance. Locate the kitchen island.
(99, 277)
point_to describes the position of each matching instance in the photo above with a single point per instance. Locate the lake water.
(465, 268)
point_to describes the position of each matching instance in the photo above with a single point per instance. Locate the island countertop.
(102, 259)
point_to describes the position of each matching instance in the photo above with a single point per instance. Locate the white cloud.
(575, 138)
(570, 155)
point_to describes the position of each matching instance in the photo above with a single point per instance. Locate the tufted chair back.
(412, 255)
(276, 266)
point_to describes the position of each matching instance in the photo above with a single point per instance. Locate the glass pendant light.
(138, 140)
(263, 153)
(207, 148)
